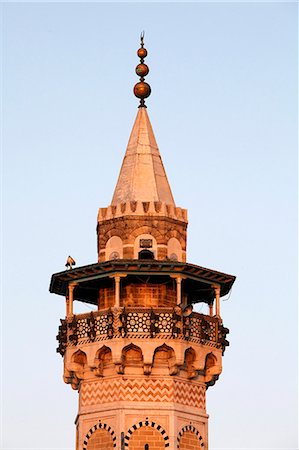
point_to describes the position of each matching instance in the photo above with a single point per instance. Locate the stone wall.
(148, 295)
(140, 295)
(129, 228)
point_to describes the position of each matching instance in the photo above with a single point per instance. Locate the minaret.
(142, 362)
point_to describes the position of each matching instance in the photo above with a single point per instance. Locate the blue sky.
(224, 112)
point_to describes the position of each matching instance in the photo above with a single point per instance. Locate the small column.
(179, 279)
(67, 305)
(178, 290)
(211, 309)
(117, 290)
(217, 297)
(117, 278)
(70, 299)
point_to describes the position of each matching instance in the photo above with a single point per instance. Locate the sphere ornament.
(142, 90)
(142, 52)
(142, 70)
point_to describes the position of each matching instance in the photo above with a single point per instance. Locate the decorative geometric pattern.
(190, 394)
(99, 425)
(193, 430)
(142, 390)
(141, 323)
(138, 322)
(165, 322)
(147, 423)
(82, 328)
(102, 324)
(203, 329)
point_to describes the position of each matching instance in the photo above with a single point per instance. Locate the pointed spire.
(142, 175)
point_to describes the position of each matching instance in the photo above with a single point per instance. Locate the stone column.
(217, 297)
(117, 291)
(117, 278)
(70, 299)
(178, 290)
(179, 279)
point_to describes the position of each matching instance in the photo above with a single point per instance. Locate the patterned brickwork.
(147, 432)
(146, 435)
(100, 440)
(143, 390)
(149, 295)
(100, 437)
(106, 297)
(190, 394)
(189, 438)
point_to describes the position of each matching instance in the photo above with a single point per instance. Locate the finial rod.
(142, 89)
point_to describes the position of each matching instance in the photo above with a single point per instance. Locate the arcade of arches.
(145, 438)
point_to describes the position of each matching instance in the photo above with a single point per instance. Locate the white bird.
(70, 262)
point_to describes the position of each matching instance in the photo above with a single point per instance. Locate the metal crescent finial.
(141, 38)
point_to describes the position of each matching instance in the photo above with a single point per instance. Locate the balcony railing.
(162, 323)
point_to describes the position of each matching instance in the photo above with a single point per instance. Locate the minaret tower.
(143, 360)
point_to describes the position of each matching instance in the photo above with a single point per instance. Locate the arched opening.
(190, 438)
(145, 254)
(100, 437)
(164, 360)
(77, 367)
(103, 361)
(146, 435)
(143, 242)
(190, 357)
(210, 361)
(132, 359)
(80, 358)
(212, 370)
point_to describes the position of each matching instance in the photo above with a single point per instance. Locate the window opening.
(145, 254)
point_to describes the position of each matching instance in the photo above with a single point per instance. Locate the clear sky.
(224, 112)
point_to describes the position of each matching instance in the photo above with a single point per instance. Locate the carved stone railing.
(162, 323)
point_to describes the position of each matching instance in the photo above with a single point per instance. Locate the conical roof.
(142, 175)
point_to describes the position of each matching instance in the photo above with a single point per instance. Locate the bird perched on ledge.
(70, 262)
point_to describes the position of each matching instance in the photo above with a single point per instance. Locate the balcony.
(143, 323)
